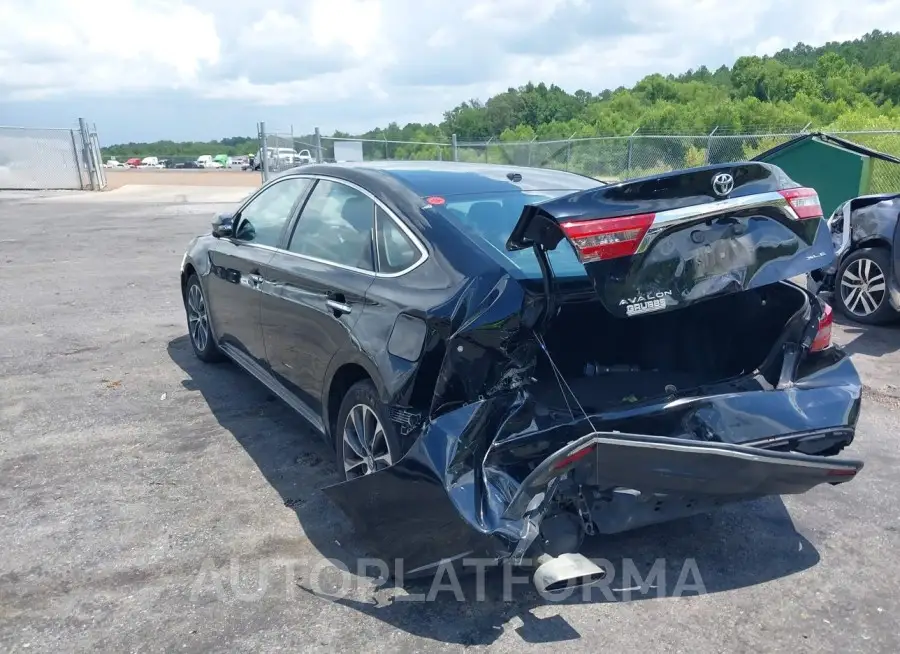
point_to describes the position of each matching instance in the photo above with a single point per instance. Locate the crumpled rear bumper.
(474, 482)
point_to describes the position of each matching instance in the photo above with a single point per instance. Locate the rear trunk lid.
(663, 242)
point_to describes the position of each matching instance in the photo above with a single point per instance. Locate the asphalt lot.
(150, 502)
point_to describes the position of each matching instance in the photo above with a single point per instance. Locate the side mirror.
(223, 225)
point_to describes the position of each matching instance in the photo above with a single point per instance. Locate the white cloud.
(109, 46)
(349, 63)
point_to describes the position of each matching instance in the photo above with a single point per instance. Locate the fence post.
(387, 154)
(709, 143)
(630, 149)
(77, 161)
(455, 147)
(89, 158)
(263, 152)
(569, 149)
(318, 146)
(95, 145)
(530, 149)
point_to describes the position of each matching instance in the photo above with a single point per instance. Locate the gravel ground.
(149, 502)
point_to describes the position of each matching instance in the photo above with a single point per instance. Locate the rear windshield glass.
(489, 218)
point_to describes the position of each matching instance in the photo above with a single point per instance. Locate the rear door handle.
(337, 307)
(254, 279)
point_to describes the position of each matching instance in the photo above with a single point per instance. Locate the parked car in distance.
(282, 158)
(508, 359)
(864, 280)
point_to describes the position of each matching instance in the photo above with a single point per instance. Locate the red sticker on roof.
(435, 199)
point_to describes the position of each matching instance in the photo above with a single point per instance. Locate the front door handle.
(338, 307)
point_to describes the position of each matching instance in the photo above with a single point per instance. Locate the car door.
(317, 286)
(236, 265)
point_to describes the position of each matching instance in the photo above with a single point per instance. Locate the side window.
(263, 219)
(336, 226)
(395, 251)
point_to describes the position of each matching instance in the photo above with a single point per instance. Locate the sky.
(144, 70)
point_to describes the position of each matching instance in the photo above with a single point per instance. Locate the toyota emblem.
(722, 184)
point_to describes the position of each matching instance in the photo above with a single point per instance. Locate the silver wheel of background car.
(365, 444)
(198, 321)
(863, 287)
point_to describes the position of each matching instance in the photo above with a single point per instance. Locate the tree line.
(847, 86)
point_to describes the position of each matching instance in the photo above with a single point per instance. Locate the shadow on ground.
(737, 547)
(870, 340)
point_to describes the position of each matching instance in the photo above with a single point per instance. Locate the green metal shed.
(838, 169)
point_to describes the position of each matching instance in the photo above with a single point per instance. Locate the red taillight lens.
(607, 238)
(804, 202)
(822, 341)
(572, 458)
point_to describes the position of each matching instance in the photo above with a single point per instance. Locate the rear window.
(489, 219)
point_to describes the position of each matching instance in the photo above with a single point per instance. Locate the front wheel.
(365, 439)
(861, 287)
(198, 322)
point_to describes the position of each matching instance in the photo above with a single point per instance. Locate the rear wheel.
(861, 291)
(198, 322)
(364, 438)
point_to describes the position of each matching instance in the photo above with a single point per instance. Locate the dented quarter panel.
(452, 492)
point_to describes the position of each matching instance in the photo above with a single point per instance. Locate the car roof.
(448, 178)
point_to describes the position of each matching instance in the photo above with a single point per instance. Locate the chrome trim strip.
(338, 306)
(266, 379)
(671, 217)
(423, 251)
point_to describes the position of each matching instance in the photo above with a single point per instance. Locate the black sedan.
(507, 359)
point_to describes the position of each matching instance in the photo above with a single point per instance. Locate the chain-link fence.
(608, 158)
(51, 158)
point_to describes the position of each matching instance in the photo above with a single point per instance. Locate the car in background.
(864, 280)
(133, 162)
(281, 159)
(508, 359)
(152, 162)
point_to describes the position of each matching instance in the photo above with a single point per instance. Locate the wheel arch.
(186, 273)
(871, 241)
(345, 370)
(868, 241)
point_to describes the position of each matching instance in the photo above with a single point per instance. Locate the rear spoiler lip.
(545, 472)
(548, 234)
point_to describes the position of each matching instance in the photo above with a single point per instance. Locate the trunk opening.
(609, 361)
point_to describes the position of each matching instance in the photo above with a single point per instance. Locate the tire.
(869, 267)
(374, 450)
(199, 330)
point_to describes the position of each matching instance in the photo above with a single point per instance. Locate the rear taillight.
(804, 202)
(822, 341)
(576, 456)
(607, 238)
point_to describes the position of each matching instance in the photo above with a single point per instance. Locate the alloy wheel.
(863, 287)
(365, 444)
(198, 321)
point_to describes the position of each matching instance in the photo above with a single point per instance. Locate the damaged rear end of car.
(682, 371)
